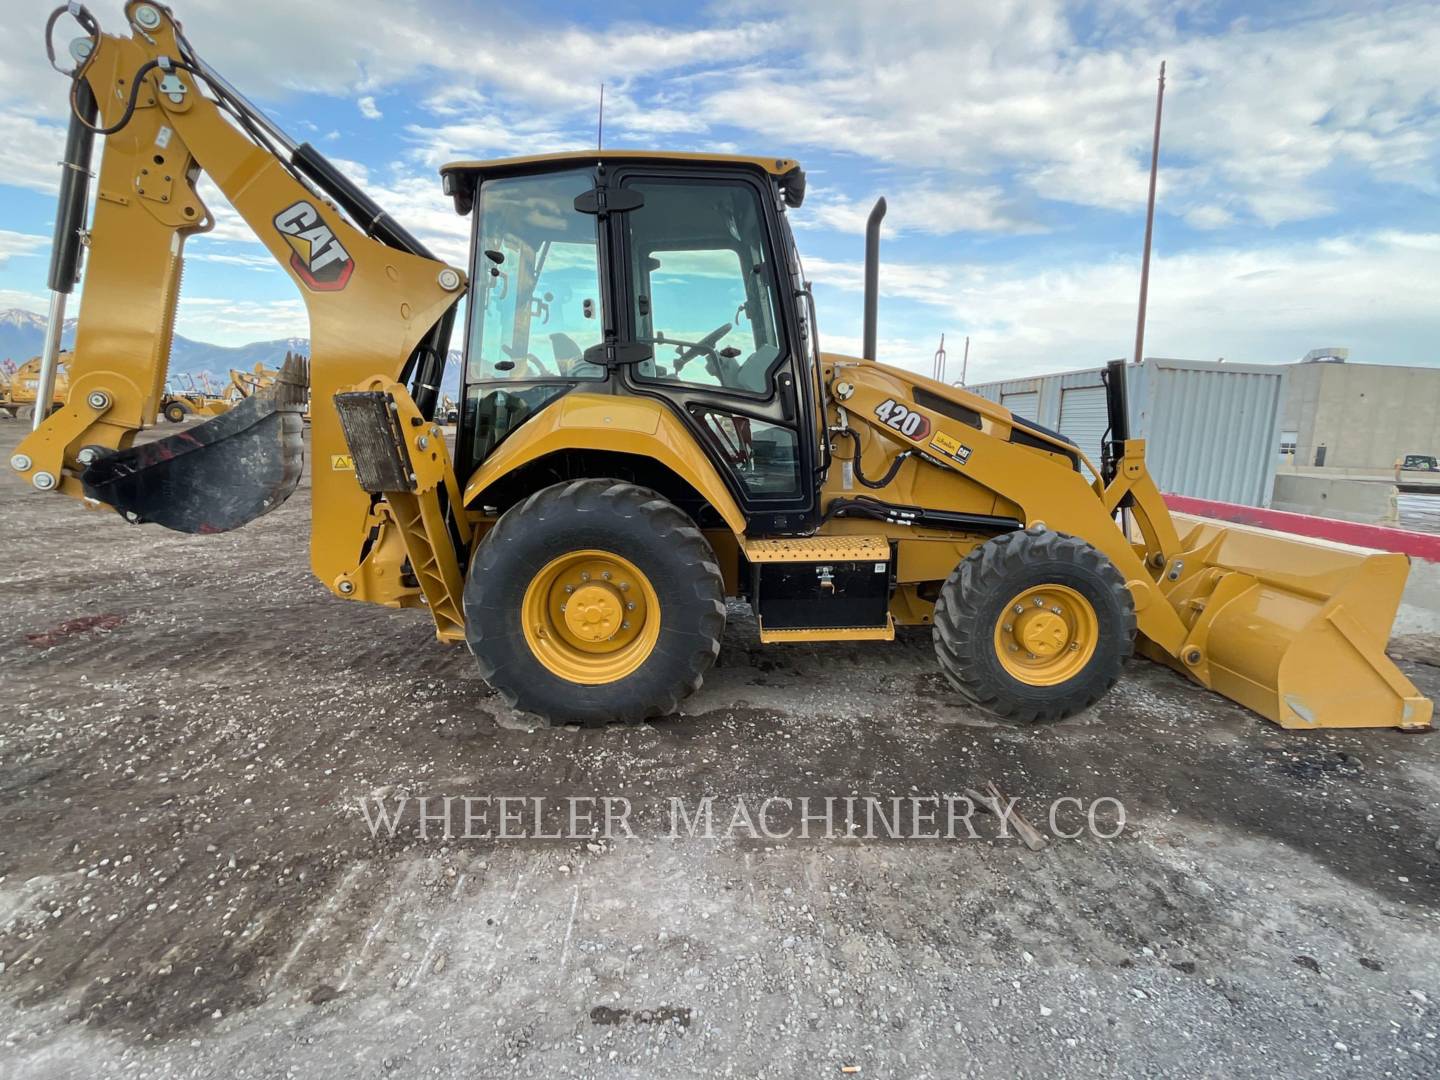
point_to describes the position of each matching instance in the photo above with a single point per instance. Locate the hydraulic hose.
(890, 473)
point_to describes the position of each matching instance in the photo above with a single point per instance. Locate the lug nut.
(625, 625)
(1056, 610)
(1039, 601)
(606, 575)
(1019, 609)
(569, 588)
(1008, 627)
(585, 575)
(1074, 646)
(630, 606)
(624, 586)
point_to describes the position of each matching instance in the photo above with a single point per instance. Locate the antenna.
(937, 371)
(965, 361)
(1149, 220)
(600, 123)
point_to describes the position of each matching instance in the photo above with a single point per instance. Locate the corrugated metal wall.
(1024, 403)
(1085, 418)
(1212, 429)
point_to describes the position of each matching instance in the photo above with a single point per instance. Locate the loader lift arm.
(380, 305)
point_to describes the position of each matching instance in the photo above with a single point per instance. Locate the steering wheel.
(704, 345)
(530, 360)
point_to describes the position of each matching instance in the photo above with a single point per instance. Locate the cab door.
(700, 285)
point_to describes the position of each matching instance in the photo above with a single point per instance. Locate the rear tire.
(175, 413)
(544, 658)
(1034, 626)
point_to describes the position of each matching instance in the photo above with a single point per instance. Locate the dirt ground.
(188, 886)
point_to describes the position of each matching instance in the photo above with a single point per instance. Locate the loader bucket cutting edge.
(219, 474)
(1294, 629)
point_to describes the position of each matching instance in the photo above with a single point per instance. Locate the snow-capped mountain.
(22, 335)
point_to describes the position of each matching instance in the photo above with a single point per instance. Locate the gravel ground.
(188, 886)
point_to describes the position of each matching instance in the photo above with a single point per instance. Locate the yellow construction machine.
(647, 425)
(22, 389)
(197, 399)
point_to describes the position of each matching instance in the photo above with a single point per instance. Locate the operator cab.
(667, 276)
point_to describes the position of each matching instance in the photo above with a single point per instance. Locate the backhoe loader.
(648, 425)
(197, 399)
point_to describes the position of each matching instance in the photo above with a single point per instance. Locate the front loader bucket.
(1294, 629)
(217, 475)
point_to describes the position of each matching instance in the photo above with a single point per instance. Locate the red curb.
(1416, 545)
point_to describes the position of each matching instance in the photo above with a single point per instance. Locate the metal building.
(1212, 428)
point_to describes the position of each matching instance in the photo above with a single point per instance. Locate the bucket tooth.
(217, 475)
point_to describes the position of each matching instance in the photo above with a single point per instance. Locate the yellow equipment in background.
(643, 434)
(22, 387)
(197, 400)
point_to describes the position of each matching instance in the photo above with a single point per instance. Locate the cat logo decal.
(316, 254)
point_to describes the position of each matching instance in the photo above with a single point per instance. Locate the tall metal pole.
(965, 361)
(600, 122)
(1149, 220)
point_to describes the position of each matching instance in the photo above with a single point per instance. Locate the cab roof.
(461, 177)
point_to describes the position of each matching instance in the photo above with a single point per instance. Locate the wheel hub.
(1046, 635)
(594, 612)
(591, 617)
(1043, 633)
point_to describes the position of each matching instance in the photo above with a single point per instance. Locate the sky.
(1300, 164)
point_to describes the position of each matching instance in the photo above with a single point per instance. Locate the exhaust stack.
(872, 275)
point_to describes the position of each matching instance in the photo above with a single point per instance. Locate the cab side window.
(705, 293)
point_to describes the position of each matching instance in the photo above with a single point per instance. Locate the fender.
(626, 425)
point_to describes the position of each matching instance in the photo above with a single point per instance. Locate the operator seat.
(756, 367)
(567, 353)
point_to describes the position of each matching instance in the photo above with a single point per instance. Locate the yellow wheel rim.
(1046, 635)
(591, 617)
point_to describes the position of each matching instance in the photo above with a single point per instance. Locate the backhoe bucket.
(217, 475)
(1294, 629)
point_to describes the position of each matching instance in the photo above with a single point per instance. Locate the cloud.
(14, 243)
(926, 208)
(1263, 304)
(368, 109)
(224, 321)
(32, 150)
(1258, 112)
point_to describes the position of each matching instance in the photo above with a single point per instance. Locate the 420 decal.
(903, 419)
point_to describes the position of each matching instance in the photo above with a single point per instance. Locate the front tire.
(175, 413)
(594, 601)
(1034, 626)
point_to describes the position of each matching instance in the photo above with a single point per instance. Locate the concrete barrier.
(1342, 498)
